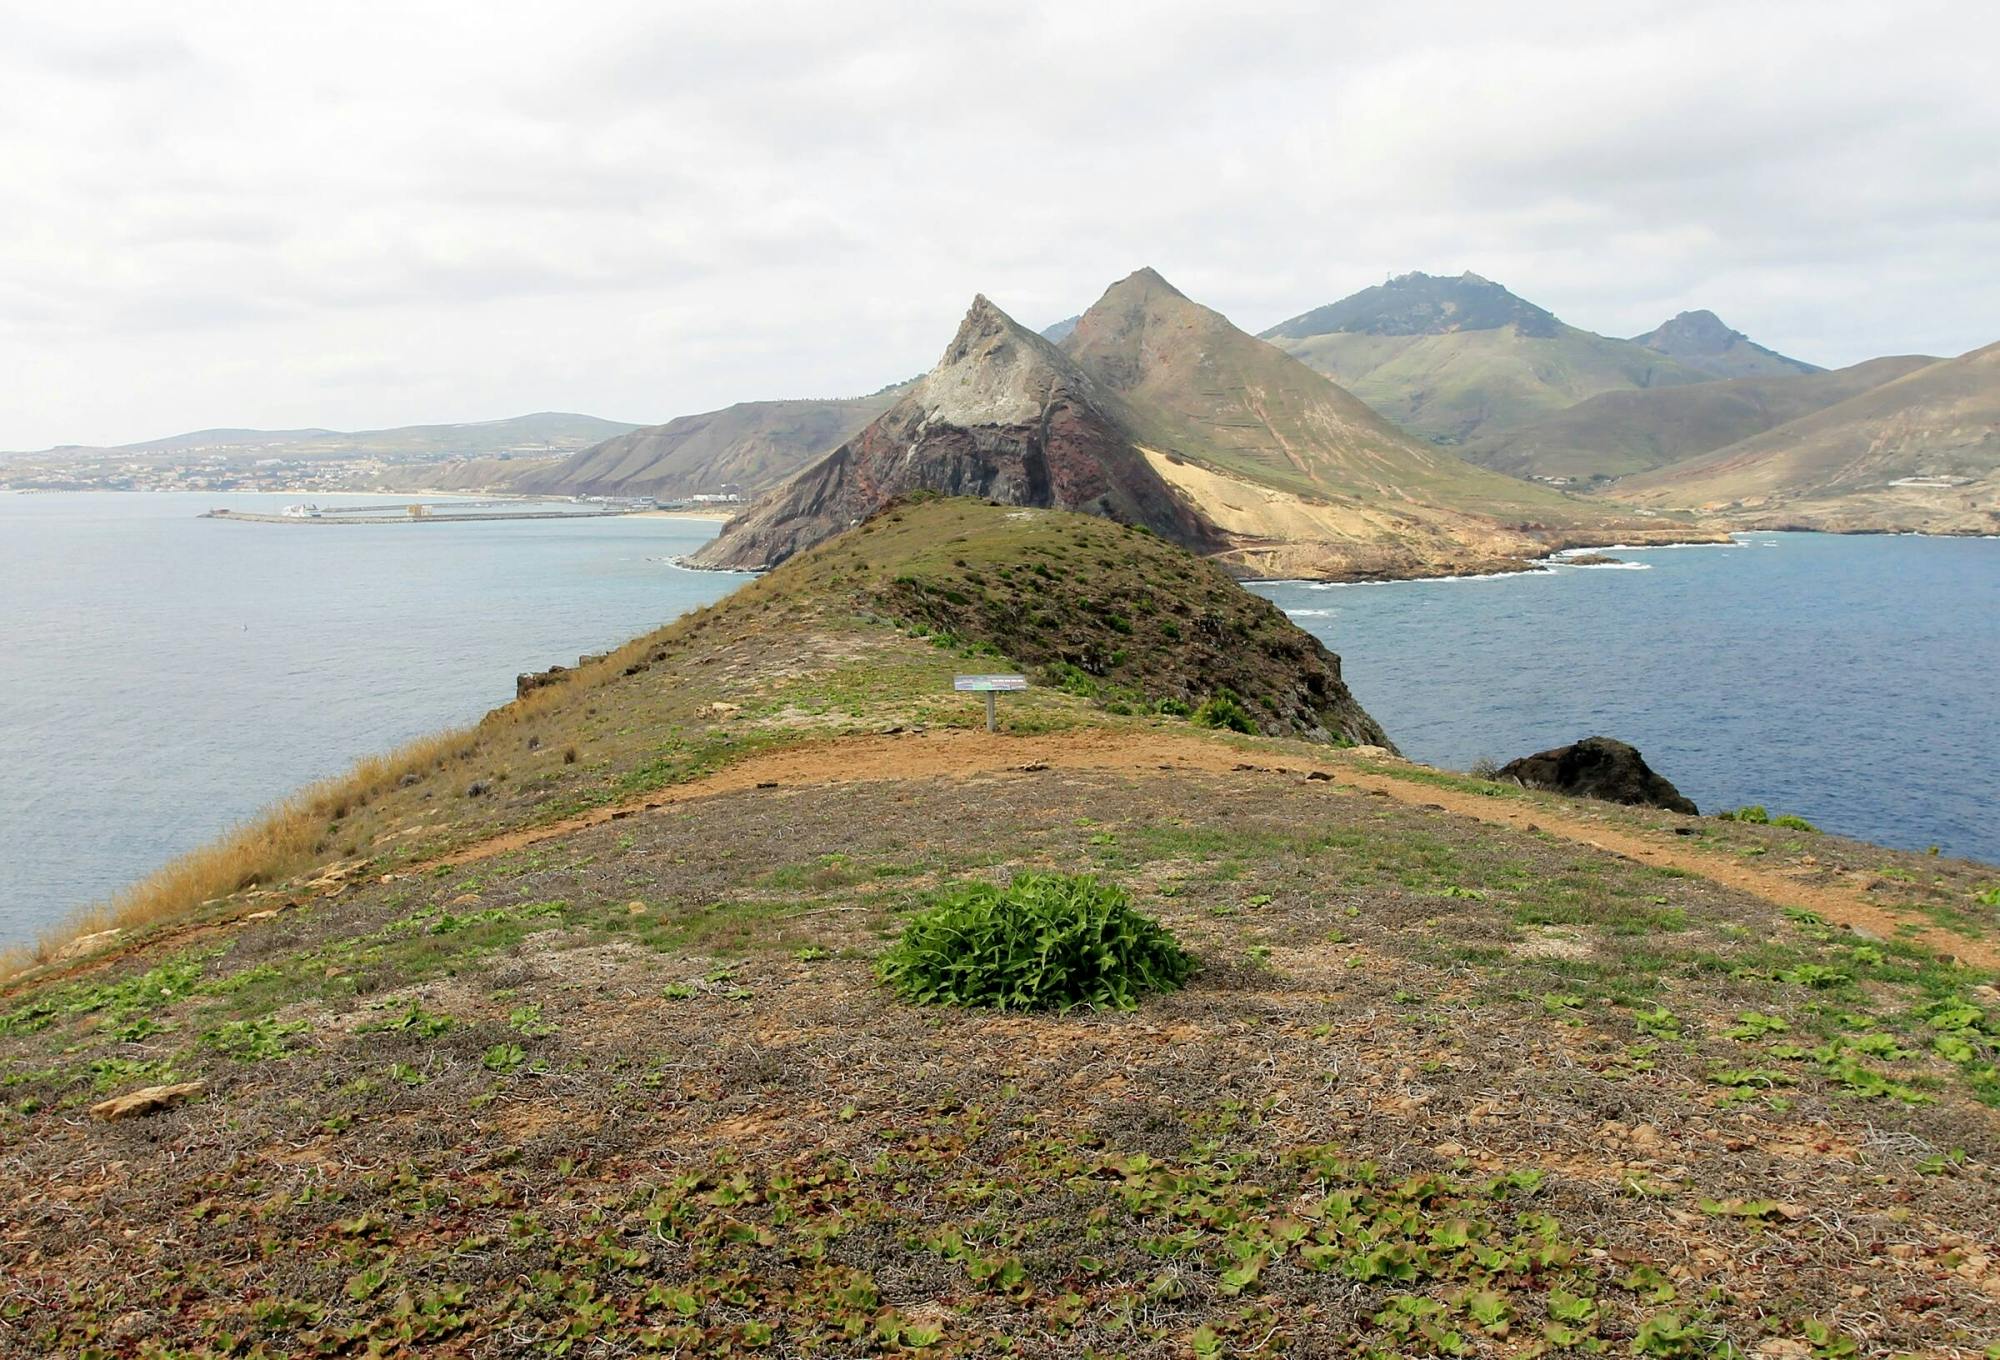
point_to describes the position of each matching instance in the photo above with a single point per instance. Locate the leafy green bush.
(1044, 942)
(1224, 709)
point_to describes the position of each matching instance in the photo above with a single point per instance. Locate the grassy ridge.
(1102, 610)
(861, 634)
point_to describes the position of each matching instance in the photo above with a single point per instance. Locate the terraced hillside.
(565, 1038)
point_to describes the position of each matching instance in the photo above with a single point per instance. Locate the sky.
(359, 215)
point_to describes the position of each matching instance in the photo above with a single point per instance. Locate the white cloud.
(371, 213)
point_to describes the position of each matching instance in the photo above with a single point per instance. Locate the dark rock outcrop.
(1004, 416)
(1597, 767)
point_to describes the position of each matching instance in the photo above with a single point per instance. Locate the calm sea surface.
(1854, 681)
(162, 677)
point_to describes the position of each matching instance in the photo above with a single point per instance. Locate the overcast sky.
(363, 214)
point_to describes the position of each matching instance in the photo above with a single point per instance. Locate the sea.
(164, 677)
(1853, 680)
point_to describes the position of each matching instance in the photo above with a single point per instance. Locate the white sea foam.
(1607, 566)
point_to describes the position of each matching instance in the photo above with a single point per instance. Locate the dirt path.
(882, 759)
(1838, 906)
(956, 754)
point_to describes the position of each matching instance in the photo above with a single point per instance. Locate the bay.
(1853, 680)
(163, 677)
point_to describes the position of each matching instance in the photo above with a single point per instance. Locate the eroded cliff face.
(1004, 417)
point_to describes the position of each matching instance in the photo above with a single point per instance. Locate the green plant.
(503, 1058)
(252, 1040)
(1755, 1024)
(1044, 942)
(1664, 1334)
(1223, 709)
(1758, 815)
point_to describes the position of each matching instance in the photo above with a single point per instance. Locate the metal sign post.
(989, 685)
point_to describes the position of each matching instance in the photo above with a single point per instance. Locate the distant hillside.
(1157, 411)
(1617, 433)
(1921, 452)
(1456, 358)
(544, 431)
(1058, 331)
(497, 472)
(1422, 304)
(1702, 340)
(746, 449)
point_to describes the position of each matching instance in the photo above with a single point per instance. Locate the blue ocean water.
(1853, 681)
(163, 677)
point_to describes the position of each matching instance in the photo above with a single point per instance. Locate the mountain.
(1702, 339)
(1422, 304)
(1616, 433)
(541, 432)
(1921, 452)
(1305, 478)
(1158, 411)
(746, 448)
(1456, 358)
(1058, 331)
(1005, 415)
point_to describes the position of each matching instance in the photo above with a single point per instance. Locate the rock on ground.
(147, 1100)
(1598, 767)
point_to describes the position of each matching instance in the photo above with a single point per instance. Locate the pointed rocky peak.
(1129, 305)
(1124, 333)
(1706, 341)
(1699, 332)
(1146, 280)
(995, 371)
(1422, 304)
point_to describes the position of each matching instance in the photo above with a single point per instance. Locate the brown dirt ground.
(874, 759)
(1372, 977)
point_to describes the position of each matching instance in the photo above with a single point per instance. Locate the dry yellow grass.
(295, 834)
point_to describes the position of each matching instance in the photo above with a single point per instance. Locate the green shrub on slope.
(1044, 942)
(1757, 814)
(1226, 711)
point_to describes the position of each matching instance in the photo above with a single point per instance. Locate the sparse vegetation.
(1759, 815)
(1441, 1085)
